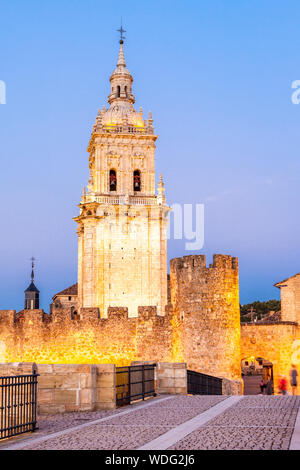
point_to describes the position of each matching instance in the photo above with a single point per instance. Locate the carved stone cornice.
(88, 210)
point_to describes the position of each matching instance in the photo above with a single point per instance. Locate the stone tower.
(122, 226)
(206, 309)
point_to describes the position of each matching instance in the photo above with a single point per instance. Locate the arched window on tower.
(112, 180)
(136, 180)
(125, 90)
(118, 91)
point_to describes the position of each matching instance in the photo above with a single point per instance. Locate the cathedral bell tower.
(122, 226)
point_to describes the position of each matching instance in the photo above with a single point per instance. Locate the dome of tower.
(121, 112)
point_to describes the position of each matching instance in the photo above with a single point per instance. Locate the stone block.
(181, 390)
(17, 368)
(180, 373)
(83, 368)
(105, 406)
(105, 395)
(86, 396)
(69, 381)
(85, 380)
(179, 365)
(45, 369)
(163, 391)
(180, 382)
(166, 373)
(50, 381)
(63, 397)
(166, 383)
(105, 380)
(105, 368)
(50, 409)
(72, 407)
(45, 396)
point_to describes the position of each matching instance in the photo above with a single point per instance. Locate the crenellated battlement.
(199, 262)
(83, 337)
(7, 318)
(198, 326)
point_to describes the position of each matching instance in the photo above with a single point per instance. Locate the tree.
(261, 308)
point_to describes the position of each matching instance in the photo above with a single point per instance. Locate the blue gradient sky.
(217, 77)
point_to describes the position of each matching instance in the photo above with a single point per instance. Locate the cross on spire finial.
(121, 31)
(32, 268)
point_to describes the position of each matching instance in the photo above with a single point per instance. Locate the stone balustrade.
(124, 129)
(134, 200)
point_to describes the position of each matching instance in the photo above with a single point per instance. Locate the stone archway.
(254, 370)
(278, 343)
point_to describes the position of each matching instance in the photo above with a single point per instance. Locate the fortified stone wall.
(206, 318)
(201, 327)
(62, 338)
(278, 343)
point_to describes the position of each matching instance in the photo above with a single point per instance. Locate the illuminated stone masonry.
(200, 327)
(122, 225)
(206, 313)
(59, 338)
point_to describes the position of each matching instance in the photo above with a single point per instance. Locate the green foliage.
(261, 309)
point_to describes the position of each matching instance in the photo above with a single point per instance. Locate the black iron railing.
(202, 384)
(134, 383)
(18, 404)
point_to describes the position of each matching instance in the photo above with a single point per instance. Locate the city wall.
(61, 338)
(201, 327)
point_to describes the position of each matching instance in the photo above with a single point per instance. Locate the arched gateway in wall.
(277, 343)
(256, 370)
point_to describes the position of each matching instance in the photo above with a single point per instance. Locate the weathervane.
(121, 31)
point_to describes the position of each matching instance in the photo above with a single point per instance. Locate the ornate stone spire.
(121, 60)
(121, 112)
(121, 79)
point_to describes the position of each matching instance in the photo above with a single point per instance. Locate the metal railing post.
(129, 385)
(143, 381)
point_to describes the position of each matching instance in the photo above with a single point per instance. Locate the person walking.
(262, 386)
(294, 379)
(282, 385)
(269, 386)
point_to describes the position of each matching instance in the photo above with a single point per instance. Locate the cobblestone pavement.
(256, 422)
(61, 421)
(128, 431)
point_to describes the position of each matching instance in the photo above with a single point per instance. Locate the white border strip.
(38, 440)
(170, 438)
(295, 441)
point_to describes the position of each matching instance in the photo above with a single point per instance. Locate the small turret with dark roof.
(32, 294)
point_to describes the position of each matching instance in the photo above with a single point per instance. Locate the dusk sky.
(217, 76)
